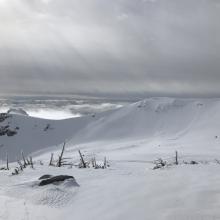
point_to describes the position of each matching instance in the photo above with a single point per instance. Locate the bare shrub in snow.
(159, 163)
(26, 162)
(92, 162)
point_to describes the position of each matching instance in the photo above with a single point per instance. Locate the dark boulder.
(55, 179)
(11, 133)
(46, 176)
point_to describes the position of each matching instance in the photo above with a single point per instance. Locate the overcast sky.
(100, 46)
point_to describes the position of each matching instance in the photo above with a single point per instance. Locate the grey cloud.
(134, 46)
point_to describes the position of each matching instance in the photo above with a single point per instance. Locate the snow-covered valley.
(131, 138)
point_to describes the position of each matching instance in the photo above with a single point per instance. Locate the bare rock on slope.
(3, 116)
(55, 179)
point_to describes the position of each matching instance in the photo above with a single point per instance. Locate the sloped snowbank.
(159, 122)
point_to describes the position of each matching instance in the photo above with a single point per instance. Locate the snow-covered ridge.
(17, 111)
(156, 120)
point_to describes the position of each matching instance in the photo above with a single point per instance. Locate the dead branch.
(82, 160)
(60, 159)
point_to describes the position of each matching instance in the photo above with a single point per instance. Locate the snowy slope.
(155, 126)
(157, 121)
(131, 138)
(35, 134)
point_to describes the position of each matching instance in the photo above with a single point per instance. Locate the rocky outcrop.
(4, 116)
(6, 130)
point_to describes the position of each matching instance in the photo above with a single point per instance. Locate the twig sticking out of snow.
(7, 165)
(176, 158)
(31, 163)
(51, 160)
(83, 164)
(60, 160)
(22, 155)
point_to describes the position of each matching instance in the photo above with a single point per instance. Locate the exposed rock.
(46, 176)
(55, 179)
(5, 130)
(11, 133)
(3, 116)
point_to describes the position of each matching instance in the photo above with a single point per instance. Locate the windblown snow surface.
(131, 138)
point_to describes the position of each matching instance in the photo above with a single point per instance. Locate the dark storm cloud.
(135, 46)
